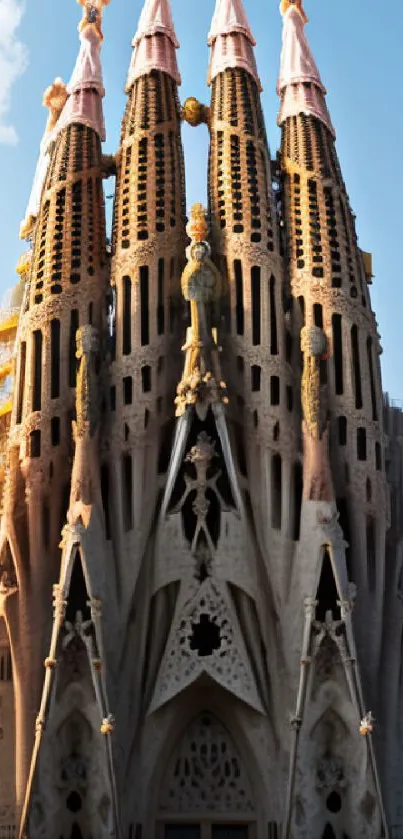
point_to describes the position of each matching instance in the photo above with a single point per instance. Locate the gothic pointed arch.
(206, 773)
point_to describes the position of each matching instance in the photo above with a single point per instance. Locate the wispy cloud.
(13, 62)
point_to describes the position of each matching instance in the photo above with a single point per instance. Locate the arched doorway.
(206, 792)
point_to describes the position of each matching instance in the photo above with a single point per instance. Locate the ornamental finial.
(285, 5)
(92, 15)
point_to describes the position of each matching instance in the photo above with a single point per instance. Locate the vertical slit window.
(54, 359)
(274, 390)
(127, 316)
(37, 371)
(276, 492)
(127, 492)
(35, 443)
(371, 553)
(256, 305)
(144, 298)
(256, 375)
(239, 310)
(55, 431)
(342, 422)
(105, 498)
(372, 380)
(355, 349)
(127, 390)
(338, 353)
(146, 378)
(273, 318)
(298, 485)
(361, 444)
(161, 298)
(74, 324)
(21, 384)
(378, 457)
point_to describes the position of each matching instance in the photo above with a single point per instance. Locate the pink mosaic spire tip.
(155, 43)
(299, 85)
(85, 89)
(231, 40)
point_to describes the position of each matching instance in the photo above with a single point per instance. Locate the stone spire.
(85, 89)
(154, 43)
(231, 40)
(299, 85)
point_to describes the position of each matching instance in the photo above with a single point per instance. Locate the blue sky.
(357, 45)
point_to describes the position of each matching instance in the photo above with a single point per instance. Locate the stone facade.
(221, 539)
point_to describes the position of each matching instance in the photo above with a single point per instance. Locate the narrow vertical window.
(127, 316)
(318, 315)
(55, 431)
(54, 359)
(256, 375)
(371, 553)
(127, 492)
(361, 444)
(256, 305)
(37, 371)
(297, 489)
(275, 390)
(342, 422)
(355, 349)
(161, 298)
(273, 318)
(276, 491)
(338, 353)
(35, 443)
(21, 384)
(74, 324)
(105, 498)
(146, 378)
(144, 304)
(372, 380)
(127, 390)
(239, 310)
(378, 457)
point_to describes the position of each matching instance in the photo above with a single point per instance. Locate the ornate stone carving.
(205, 638)
(206, 773)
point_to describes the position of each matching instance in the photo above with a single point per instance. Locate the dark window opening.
(290, 397)
(21, 384)
(161, 298)
(276, 492)
(37, 371)
(127, 316)
(378, 457)
(205, 636)
(256, 305)
(372, 380)
(54, 359)
(105, 498)
(344, 522)
(338, 353)
(298, 488)
(127, 492)
(146, 378)
(361, 444)
(35, 443)
(239, 310)
(73, 361)
(273, 318)
(342, 423)
(78, 594)
(256, 374)
(55, 431)
(275, 390)
(356, 367)
(144, 298)
(112, 398)
(334, 802)
(371, 553)
(127, 390)
(318, 315)
(327, 595)
(328, 832)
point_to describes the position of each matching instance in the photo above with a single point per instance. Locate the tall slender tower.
(66, 289)
(258, 353)
(223, 615)
(329, 284)
(148, 252)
